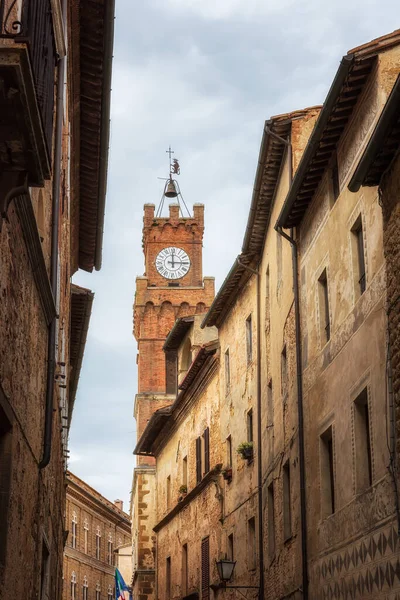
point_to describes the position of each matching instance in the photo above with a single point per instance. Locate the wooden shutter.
(205, 569)
(198, 460)
(171, 371)
(206, 450)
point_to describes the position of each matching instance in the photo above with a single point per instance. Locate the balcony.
(27, 72)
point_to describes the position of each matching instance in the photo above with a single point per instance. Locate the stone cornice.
(90, 561)
(91, 502)
(210, 477)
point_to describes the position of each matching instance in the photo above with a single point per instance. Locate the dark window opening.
(250, 437)
(362, 441)
(168, 578)
(271, 521)
(335, 180)
(327, 473)
(358, 246)
(249, 340)
(287, 507)
(324, 307)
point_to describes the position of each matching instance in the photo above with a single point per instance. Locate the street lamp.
(225, 569)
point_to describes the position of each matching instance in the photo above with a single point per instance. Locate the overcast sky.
(203, 76)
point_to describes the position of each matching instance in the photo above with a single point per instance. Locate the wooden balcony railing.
(30, 22)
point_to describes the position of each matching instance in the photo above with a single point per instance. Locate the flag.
(120, 586)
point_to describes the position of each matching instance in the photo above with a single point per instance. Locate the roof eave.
(322, 120)
(377, 139)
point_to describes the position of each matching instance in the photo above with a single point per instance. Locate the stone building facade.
(299, 368)
(50, 225)
(98, 530)
(160, 299)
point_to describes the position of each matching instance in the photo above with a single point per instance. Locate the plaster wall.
(337, 370)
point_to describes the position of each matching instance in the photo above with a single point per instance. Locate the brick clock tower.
(172, 286)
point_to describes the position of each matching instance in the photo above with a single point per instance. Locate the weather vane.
(171, 188)
(174, 167)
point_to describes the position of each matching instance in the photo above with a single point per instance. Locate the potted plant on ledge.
(227, 473)
(245, 449)
(182, 492)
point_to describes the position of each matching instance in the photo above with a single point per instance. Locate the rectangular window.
(251, 543)
(227, 373)
(73, 532)
(230, 553)
(250, 425)
(362, 442)
(206, 446)
(249, 340)
(358, 257)
(323, 301)
(335, 180)
(327, 473)
(5, 472)
(229, 451)
(171, 371)
(168, 492)
(205, 569)
(267, 299)
(271, 521)
(98, 540)
(110, 552)
(168, 579)
(185, 471)
(85, 536)
(184, 570)
(198, 460)
(284, 374)
(270, 419)
(287, 507)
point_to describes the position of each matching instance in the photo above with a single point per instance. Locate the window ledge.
(207, 479)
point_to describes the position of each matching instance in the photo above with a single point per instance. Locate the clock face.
(172, 263)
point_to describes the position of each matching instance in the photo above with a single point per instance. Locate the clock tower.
(172, 286)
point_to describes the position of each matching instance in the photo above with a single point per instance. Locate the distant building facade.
(53, 166)
(283, 427)
(98, 530)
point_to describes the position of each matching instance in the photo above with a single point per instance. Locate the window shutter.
(206, 450)
(171, 371)
(198, 460)
(205, 569)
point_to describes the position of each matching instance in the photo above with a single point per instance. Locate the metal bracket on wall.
(12, 184)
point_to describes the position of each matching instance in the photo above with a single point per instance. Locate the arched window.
(85, 589)
(98, 590)
(110, 549)
(110, 594)
(85, 534)
(73, 529)
(98, 542)
(73, 585)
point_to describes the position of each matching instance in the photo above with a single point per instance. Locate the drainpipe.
(51, 343)
(259, 437)
(299, 374)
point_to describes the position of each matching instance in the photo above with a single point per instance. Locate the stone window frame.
(324, 266)
(73, 585)
(110, 543)
(358, 213)
(98, 590)
(110, 593)
(364, 382)
(86, 535)
(98, 542)
(74, 527)
(85, 588)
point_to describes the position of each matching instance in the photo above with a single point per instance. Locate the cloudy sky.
(201, 75)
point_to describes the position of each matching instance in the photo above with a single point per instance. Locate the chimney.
(119, 504)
